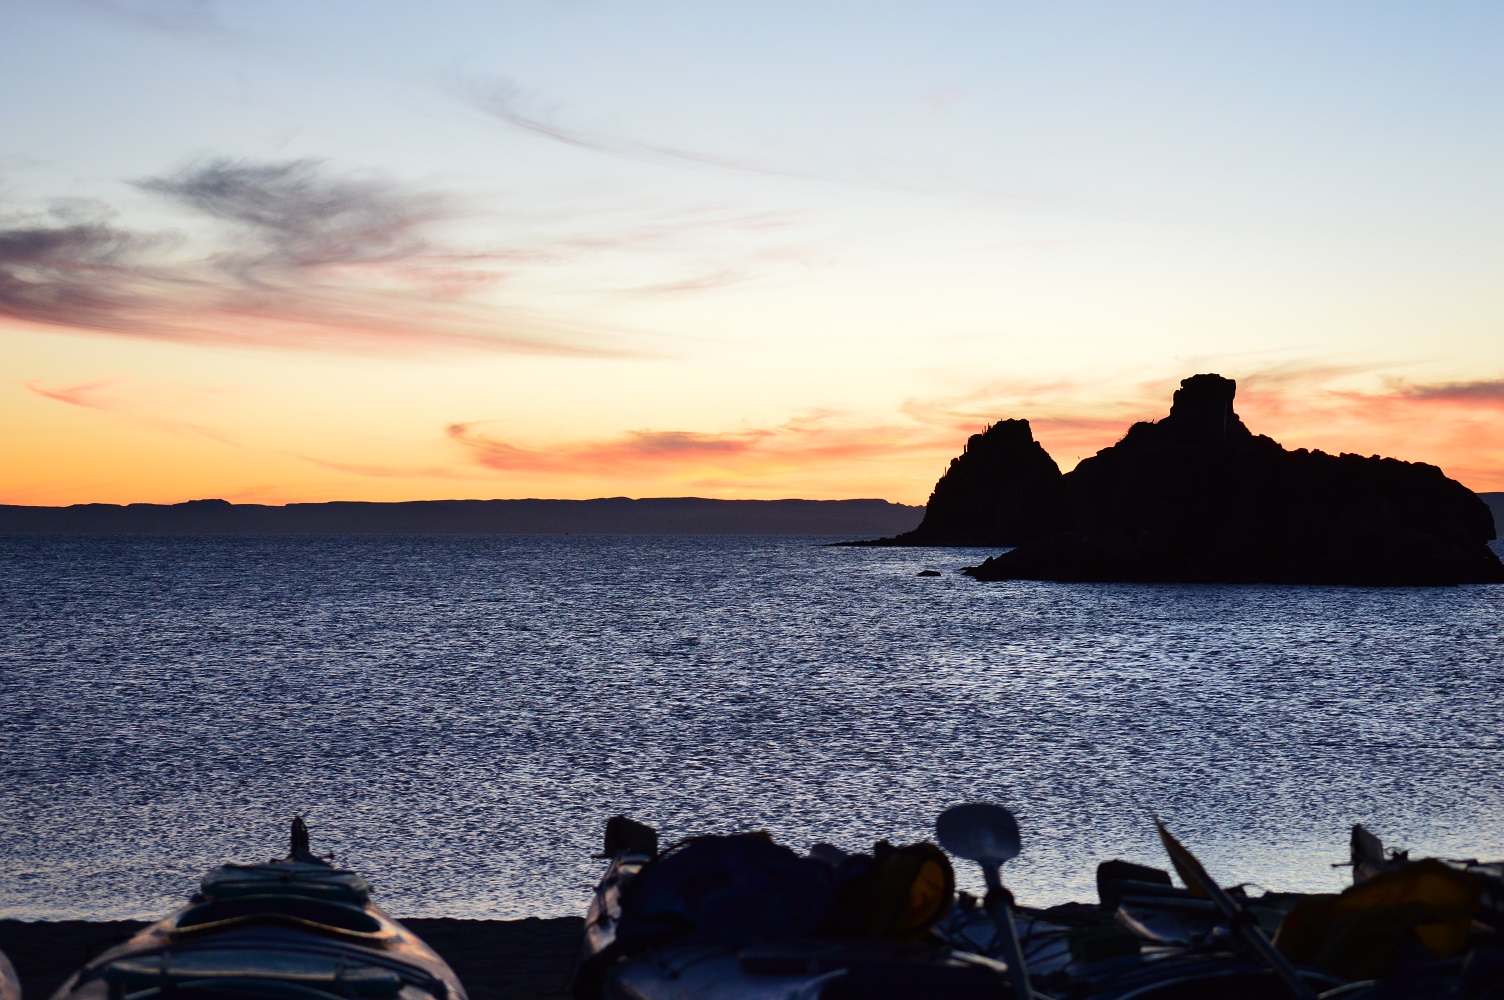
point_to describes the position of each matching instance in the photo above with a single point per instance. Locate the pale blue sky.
(746, 214)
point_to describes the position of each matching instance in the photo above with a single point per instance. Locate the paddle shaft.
(1243, 924)
(1240, 921)
(999, 904)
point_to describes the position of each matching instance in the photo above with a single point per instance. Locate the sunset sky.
(287, 251)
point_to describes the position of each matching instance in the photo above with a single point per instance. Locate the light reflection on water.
(458, 716)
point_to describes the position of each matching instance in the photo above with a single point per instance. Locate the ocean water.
(457, 716)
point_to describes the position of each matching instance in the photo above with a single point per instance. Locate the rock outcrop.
(1003, 489)
(1197, 497)
(1495, 503)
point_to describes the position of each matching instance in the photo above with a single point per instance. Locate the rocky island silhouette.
(1197, 497)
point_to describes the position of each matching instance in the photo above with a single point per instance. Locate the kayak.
(1434, 924)
(1407, 928)
(295, 928)
(741, 918)
(10, 984)
(1150, 947)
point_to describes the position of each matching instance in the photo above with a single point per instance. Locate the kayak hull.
(10, 983)
(286, 930)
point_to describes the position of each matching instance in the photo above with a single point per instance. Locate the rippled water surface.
(457, 716)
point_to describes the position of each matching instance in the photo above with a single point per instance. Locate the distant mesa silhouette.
(607, 515)
(1197, 497)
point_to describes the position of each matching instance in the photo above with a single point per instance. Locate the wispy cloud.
(85, 395)
(1454, 425)
(294, 217)
(635, 449)
(503, 101)
(196, 17)
(1340, 395)
(72, 272)
(1484, 394)
(97, 396)
(815, 446)
(302, 258)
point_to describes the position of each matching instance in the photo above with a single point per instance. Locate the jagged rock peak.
(1201, 411)
(1204, 392)
(1002, 489)
(1003, 434)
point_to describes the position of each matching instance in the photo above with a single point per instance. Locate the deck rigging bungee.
(295, 928)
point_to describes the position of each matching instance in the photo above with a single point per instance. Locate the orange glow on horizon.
(80, 455)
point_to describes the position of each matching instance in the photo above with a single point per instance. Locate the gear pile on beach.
(743, 918)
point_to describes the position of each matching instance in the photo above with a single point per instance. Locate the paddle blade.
(979, 831)
(1187, 867)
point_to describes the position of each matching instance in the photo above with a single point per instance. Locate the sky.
(279, 251)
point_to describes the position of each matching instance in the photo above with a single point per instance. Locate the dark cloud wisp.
(54, 270)
(1486, 393)
(300, 257)
(300, 217)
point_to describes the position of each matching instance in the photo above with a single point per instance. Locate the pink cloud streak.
(793, 446)
(85, 395)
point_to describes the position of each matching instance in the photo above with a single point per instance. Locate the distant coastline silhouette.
(1197, 497)
(606, 516)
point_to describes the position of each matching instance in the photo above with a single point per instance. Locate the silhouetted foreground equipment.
(741, 917)
(988, 835)
(291, 929)
(1407, 930)
(1197, 497)
(1424, 921)
(10, 985)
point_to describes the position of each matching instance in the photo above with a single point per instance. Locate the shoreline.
(527, 959)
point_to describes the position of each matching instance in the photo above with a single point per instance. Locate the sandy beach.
(496, 959)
